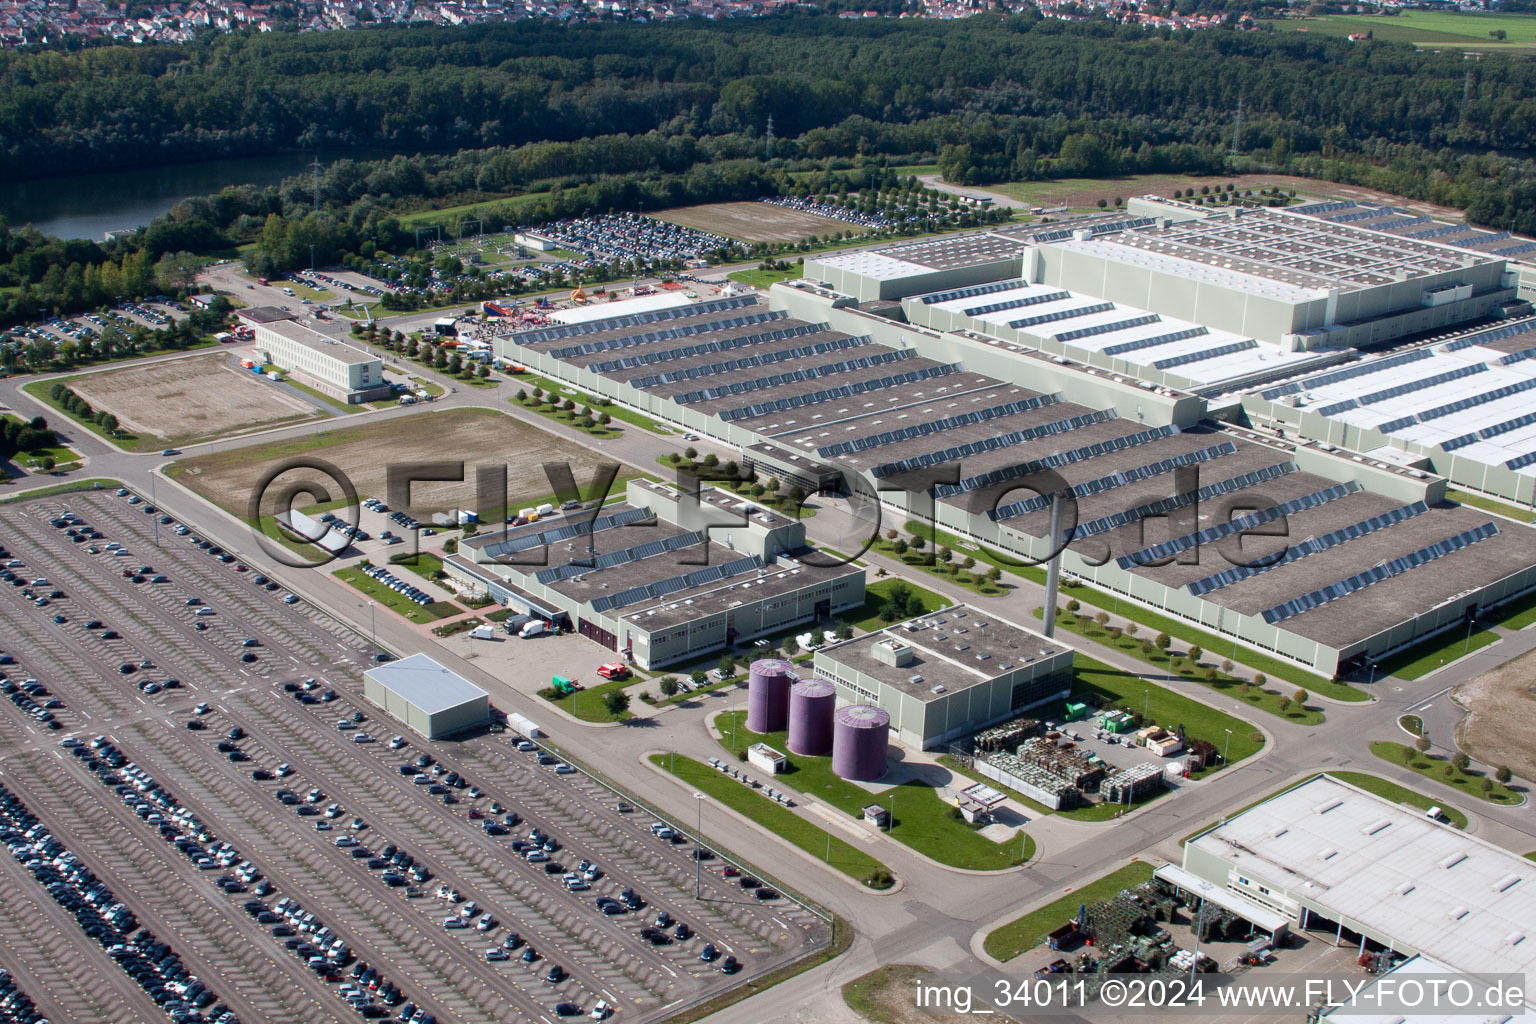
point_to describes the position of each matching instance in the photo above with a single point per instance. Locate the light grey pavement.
(935, 917)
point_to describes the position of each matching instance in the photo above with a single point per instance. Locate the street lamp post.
(698, 838)
(373, 636)
(155, 519)
(1146, 703)
(1227, 747)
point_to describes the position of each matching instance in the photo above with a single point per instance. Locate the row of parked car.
(153, 964)
(16, 1007)
(398, 585)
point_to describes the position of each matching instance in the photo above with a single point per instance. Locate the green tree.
(1163, 641)
(1503, 774)
(668, 685)
(1421, 744)
(1302, 696)
(616, 702)
(1461, 761)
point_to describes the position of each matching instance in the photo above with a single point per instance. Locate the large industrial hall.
(944, 376)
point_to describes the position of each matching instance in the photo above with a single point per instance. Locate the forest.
(557, 121)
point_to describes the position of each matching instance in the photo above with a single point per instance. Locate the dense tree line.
(513, 84)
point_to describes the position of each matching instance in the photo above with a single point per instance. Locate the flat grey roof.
(712, 598)
(955, 648)
(322, 343)
(1432, 888)
(785, 423)
(427, 685)
(957, 251)
(264, 314)
(657, 345)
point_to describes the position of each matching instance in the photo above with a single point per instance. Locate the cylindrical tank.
(811, 704)
(859, 737)
(768, 683)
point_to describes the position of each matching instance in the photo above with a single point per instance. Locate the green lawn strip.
(922, 818)
(1488, 504)
(1517, 614)
(1274, 668)
(967, 548)
(334, 403)
(1434, 767)
(131, 442)
(587, 704)
(67, 488)
(842, 938)
(1259, 697)
(868, 617)
(1531, 855)
(1427, 655)
(1113, 686)
(759, 278)
(423, 564)
(871, 996)
(1399, 794)
(396, 602)
(1024, 933)
(304, 291)
(567, 418)
(529, 381)
(468, 211)
(953, 572)
(1413, 723)
(781, 821)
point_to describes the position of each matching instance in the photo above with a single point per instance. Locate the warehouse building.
(324, 363)
(931, 417)
(948, 673)
(432, 700)
(666, 575)
(1352, 868)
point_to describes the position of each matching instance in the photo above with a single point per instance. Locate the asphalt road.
(938, 915)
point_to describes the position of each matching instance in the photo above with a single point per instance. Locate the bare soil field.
(756, 222)
(364, 453)
(1501, 716)
(183, 401)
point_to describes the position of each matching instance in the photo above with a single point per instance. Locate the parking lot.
(86, 328)
(259, 746)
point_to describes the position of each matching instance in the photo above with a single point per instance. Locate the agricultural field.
(757, 222)
(186, 401)
(364, 453)
(1429, 29)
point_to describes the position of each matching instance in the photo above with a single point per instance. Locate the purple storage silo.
(859, 736)
(768, 683)
(811, 705)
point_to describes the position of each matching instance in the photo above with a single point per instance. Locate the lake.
(89, 205)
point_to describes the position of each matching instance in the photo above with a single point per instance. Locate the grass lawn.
(921, 817)
(1446, 29)
(304, 291)
(868, 615)
(1487, 504)
(1399, 794)
(964, 549)
(68, 488)
(528, 381)
(395, 602)
(1441, 649)
(779, 820)
(1413, 723)
(334, 403)
(1024, 933)
(469, 211)
(587, 704)
(758, 278)
(423, 564)
(1432, 766)
(1518, 614)
(1115, 687)
(883, 995)
(130, 442)
(1273, 668)
(1260, 697)
(926, 561)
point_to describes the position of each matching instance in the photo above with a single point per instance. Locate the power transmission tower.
(1237, 128)
(316, 166)
(769, 135)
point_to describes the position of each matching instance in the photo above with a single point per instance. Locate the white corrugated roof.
(426, 684)
(1433, 889)
(621, 307)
